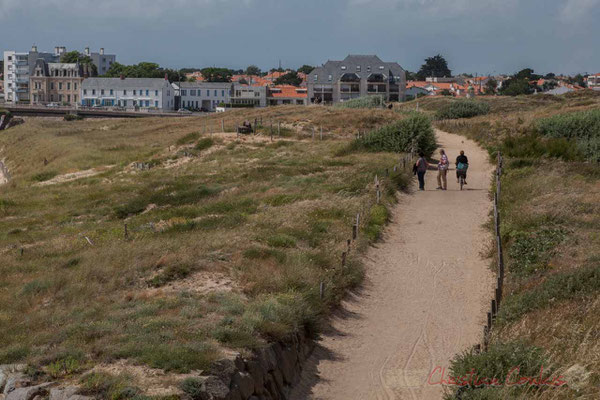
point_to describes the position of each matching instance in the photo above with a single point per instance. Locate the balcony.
(376, 89)
(350, 89)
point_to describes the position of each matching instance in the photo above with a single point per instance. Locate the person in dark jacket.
(421, 167)
(462, 163)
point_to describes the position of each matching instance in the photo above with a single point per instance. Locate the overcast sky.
(475, 36)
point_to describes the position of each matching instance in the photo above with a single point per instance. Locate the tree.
(306, 69)
(528, 74)
(550, 75)
(577, 80)
(213, 74)
(515, 87)
(253, 70)
(144, 70)
(446, 92)
(411, 76)
(291, 78)
(436, 66)
(490, 86)
(73, 57)
(243, 81)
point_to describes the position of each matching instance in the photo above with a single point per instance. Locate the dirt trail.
(424, 298)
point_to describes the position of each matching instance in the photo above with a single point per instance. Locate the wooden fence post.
(222, 125)
(126, 233)
(278, 129)
(494, 309)
(343, 259)
(354, 232)
(321, 290)
(321, 133)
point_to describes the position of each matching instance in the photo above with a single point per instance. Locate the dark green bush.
(44, 176)
(582, 126)
(193, 388)
(377, 219)
(73, 117)
(400, 136)
(463, 109)
(204, 144)
(498, 362)
(534, 146)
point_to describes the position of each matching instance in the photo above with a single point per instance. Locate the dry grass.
(227, 241)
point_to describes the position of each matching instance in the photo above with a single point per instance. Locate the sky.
(475, 36)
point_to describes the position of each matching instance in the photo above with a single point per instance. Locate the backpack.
(415, 168)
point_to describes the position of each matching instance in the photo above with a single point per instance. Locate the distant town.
(89, 79)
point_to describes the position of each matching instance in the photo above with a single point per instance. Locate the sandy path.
(424, 298)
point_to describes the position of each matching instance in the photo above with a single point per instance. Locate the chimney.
(56, 53)
(122, 77)
(101, 51)
(34, 49)
(166, 77)
(87, 51)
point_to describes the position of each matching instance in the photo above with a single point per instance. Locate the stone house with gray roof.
(356, 76)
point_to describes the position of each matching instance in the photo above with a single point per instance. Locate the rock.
(244, 382)
(215, 388)
(63, 394)
(28, 393)
(577, 377)
(278, 376)
(15, 381)
(257, 372)
(234, 394)
(289, 356)
(266, 356)
(224, 370)
(239, 363)
(271, 387)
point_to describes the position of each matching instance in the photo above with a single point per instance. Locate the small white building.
(130, 93)
(205, 96)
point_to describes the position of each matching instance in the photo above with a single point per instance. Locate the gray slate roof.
(203, 85)
(118, 83)
(334, 68)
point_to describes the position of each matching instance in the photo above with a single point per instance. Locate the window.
(147, 93)
(124, 92)
(111, 92)
(330, 78)
(134, 92)
(316, 77)
(147, 103)
(68, 98)
(68, 85)
(156, 92)
(184, 92)
(216, 93)
(75, 98)
(52, 85)
(192, 92)
(75, 86)
(93, 91)
(59, 85)
(222, 93)
(84, 91)
(358, 68)
(169, 93)
(381, 67)
(9, 58)
(207, 93)
(156, 103)
(102, 92)
(343, 67)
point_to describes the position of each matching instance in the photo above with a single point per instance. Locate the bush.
(530, 252)
(44, 176)
(378, 217)
(557, 287)
(463, 109)
(73, 117)
(204, 144)
(534, 146)
(498, 362)
(363, 102)
(583, 126)
(193, 388)
(400, 136)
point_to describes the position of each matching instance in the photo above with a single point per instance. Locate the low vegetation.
(363, 102)
(550, 218)
(180, 245)
(463, 109)
(413, 133)
(581, 127)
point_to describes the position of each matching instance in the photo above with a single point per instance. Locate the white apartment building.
(204, 96)
(131, 93)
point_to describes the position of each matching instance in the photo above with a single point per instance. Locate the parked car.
(184, 111)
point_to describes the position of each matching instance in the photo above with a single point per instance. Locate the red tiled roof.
(288, 91)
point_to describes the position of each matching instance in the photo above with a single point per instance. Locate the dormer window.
(369, 68)
(343, 67)
(381, 67)
(358, 68)
(316, 77)
(330, 78)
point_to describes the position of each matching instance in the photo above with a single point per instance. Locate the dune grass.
(227, 241)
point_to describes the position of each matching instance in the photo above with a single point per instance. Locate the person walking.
(462, 164)
(442, 171)
(421, 169)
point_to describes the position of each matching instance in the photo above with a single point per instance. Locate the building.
(356, 76)
(249, 95)
(205, 96)
(56, 82)
(18, 67)
(101, 60)
(287, 94)
(130, 93)
(593, 81)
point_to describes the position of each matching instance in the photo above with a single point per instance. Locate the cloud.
(441, 8)
(576, 11)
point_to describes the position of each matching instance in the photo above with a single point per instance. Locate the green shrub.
(582, 126)
(281, 240)
(400, 136)
(73, 117)
(193, 388)
(530, 252)
(378, 217)
(534, 146)
(557, 287)
(204, 144)
(463, 109)
(44, 176)
(498, 362)
(169, 274)
(189, 138)
(363, 102)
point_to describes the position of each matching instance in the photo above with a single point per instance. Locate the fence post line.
(125, 231)
(354, 232)
(278, 128)
(222, 125)
(321, 290)
(485, 338)
(494, 309)
(343, 259)
(489, 320)
(498, 298)
(357, 219)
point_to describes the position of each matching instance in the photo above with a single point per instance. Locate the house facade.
(129, 93)
(18, 67)
(593, 82)
(204, 96)
(356, 76)
(287, 94)
(101, 60)
(249, 95)
(56, 82)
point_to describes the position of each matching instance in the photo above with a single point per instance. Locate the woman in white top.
(442, 170)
